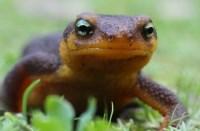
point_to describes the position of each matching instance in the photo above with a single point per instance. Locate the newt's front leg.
(19, 77)
(161, 99)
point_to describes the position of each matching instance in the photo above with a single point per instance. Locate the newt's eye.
(148, 31)
(84, 28)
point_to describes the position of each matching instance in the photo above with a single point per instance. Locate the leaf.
(59, 108)
(46, 123)
(86, 117)
(59, 115)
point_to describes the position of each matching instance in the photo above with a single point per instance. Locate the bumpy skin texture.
(105, 64)
(160, 98)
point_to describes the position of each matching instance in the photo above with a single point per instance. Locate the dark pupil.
(83, 28)
(149, 30)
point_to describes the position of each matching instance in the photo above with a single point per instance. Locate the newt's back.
(45, 44)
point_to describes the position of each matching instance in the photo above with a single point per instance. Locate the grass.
(59, 115)
(176, 62)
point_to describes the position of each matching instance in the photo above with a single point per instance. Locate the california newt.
(97, 55)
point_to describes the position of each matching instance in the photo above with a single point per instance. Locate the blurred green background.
(175, 63)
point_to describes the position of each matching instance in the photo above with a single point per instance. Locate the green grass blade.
(27, 94)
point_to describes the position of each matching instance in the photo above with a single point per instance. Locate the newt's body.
(98, 55)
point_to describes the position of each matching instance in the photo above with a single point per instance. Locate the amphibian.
(97, 55)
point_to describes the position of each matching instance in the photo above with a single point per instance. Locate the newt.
(96, 55)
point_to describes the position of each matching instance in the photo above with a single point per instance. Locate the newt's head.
(108, 43)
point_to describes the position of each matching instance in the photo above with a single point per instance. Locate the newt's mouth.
(110, 53)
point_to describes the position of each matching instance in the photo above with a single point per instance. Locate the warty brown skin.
(105, 64)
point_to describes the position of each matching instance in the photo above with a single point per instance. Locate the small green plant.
(14, 122)
(58, 115)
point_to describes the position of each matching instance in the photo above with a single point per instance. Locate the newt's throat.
(105, 60)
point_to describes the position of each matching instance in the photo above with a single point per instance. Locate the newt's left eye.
(148, 31)
(84, 28)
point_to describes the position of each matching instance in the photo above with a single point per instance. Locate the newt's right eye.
(84, 28)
